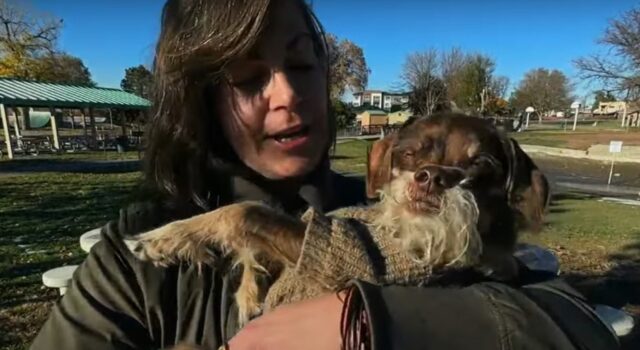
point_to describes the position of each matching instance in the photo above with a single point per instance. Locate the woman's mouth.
(291, 138)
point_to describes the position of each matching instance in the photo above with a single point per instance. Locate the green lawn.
(42, 216)
(351, 156)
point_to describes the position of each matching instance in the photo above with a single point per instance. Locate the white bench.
(89, 238)
(60, 277)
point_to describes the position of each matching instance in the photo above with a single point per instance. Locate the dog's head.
(461, 170)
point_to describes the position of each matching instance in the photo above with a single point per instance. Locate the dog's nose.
(422, 176)
(437, 178)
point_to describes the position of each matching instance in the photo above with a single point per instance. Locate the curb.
(573, 153)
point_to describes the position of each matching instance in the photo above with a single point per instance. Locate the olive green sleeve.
(481, 316)
(102, 308)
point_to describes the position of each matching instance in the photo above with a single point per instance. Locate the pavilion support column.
(54, 129)
(84, 122)
(123, 120)
(26, 123)
(94, 130)
(16, 125)
(5, 127)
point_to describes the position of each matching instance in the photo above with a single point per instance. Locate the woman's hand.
(311, 324)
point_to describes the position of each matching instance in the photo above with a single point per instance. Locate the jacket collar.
(316, 190)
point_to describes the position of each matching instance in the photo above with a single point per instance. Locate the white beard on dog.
(448, 237)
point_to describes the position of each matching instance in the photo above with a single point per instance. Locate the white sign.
(615, 147)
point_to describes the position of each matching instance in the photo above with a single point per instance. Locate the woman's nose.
(281, 92)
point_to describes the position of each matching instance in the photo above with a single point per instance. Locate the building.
(399, 117)
(380, 99)
(372, 121)
(610, 107)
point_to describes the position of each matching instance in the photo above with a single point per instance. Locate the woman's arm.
(102, 309)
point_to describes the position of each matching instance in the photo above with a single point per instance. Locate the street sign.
(615, 147)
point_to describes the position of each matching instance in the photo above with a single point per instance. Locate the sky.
(111, 35)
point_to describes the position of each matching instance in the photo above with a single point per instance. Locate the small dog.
(453, 191)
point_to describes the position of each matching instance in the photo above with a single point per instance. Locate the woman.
(241, 112)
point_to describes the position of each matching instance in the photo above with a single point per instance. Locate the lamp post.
(529, 110)
(575, 105)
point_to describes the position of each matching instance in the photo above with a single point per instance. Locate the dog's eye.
(484, 160)
(408, 154)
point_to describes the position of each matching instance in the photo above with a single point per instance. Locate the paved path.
(560, 179)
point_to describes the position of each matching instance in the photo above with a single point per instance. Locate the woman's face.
(274, 111)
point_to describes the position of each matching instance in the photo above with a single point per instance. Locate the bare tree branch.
(619, 70)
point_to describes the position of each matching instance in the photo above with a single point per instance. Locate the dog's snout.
(437, 178)
(422, 176)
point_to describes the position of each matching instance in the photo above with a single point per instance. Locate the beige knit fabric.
(341, 246)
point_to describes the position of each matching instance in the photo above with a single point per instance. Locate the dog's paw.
(247, 300)
(171, 244)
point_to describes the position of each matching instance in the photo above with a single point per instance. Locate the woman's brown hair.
(187, 158)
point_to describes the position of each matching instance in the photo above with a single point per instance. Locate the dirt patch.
(585, 140)
(19, 325)
(580, 140)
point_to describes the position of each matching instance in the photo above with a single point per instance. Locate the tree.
(24, 40)
(475, 79)
(137, 80)
(347, 66)
(63, 69)
(602, 96)
(427, 92)
(470, 82)
(452, 63)
(344, 114)
(28, 49)
(543, 89)
(619, 70)
(499, 86)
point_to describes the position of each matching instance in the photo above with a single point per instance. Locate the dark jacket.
(118, 302)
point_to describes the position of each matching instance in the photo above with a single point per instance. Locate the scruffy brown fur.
(453, 190)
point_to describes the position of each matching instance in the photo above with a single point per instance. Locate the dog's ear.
(379, 165)
(530, 191)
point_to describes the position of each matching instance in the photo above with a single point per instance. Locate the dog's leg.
(249, 225)
(247, 295)
(245, 230)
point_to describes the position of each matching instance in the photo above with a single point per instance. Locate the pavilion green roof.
(38, 94)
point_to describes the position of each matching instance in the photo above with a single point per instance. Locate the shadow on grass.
(339, 157)
(38, 267)
(76, 166)
(618, 287)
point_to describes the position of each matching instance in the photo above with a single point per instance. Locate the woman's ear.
(379, 165)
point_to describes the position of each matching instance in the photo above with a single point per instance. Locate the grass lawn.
(42, 216)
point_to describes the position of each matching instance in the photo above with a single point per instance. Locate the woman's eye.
(301, 66)
(250, 77)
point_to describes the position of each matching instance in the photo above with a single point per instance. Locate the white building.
(380, 99)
